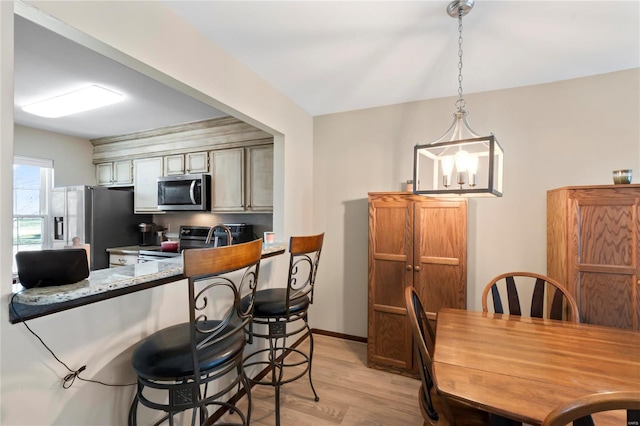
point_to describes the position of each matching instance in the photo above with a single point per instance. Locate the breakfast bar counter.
(102, 284)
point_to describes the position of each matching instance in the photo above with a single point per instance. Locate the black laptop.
(44, 268)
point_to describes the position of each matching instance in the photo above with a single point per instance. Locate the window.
(32, 181)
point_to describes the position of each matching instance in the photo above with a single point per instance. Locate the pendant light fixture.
(461, 162)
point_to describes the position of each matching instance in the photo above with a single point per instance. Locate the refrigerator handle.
(58, 228)
(192, 191)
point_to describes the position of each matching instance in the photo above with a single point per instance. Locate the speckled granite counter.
(103, 280)
(103, 284)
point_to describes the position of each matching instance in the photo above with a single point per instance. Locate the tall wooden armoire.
(413, 241)
(593, 247)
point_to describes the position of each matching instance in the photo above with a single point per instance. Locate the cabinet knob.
(416, 269)
(408, 267)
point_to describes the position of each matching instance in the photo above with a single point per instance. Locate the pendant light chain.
(460, 103)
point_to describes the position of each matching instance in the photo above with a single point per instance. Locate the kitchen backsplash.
(172, 221)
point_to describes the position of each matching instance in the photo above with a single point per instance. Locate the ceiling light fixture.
(85, 99)
(477, 160)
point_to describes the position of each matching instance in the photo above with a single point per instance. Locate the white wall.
(567, 133)
(71, 156)
(101, 335)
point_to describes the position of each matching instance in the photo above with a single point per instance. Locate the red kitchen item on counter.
(169, 246)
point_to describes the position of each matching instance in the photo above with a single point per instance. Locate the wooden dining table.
(522, 368)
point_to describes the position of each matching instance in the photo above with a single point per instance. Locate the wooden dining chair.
(548, 298)
(579, 410)
(435, 409)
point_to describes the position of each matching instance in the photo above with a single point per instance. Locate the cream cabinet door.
(260, 178)
(145, 185)
(119, 173)
(123, 172)
(197, 162)
(173, 165)
(104, 174)
(227, 180)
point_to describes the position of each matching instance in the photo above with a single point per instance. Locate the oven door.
(184, 192)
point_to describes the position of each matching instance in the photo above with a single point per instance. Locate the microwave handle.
(192, 191)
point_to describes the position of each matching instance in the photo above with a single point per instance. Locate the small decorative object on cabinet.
(413, 241)
(593, 247)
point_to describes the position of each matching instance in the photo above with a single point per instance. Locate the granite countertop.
(104, 281)
(131, 249)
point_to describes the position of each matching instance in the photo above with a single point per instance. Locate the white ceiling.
(333, 56)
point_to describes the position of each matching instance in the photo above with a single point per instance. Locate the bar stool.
(281, 313)
(192, 365)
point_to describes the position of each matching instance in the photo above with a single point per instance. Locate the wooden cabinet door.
(390, 272)
(605, 251)
(145, 184)
(260, 178)
(440, 254)
(227, 168)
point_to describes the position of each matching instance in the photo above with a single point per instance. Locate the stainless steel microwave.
(184, 192)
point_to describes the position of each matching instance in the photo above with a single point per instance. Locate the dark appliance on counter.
(149, 234)
(201, 237)
(184, 192)
(240, 233)
(98, 216)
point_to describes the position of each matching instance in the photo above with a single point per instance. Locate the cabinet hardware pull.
(417, 268)
(408, 267)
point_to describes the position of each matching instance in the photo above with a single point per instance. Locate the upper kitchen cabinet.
(259, 194)
(190, 163)
(115, 173)
(242, 179)
(227, 186)
(238, 155)
(145, 174)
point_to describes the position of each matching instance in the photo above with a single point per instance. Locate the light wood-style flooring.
(350, 393)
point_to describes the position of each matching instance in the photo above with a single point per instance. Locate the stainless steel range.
(200, 237)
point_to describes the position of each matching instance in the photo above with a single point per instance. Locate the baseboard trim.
(339, 335)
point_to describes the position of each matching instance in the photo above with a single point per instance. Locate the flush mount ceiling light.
(85, 99)
(477, 160)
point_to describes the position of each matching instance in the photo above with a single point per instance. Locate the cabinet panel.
(606, 299)
(145, 190)
(117, 173)
(242, 179)
(197, 162)
(228, 180)
(104, 174)
(413, 241)
(260, 178)
(593, 247)
(123, 172)
(173, 165)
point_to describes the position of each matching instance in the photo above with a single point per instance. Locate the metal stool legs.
(277, 354)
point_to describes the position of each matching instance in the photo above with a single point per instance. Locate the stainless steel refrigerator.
(98, 216)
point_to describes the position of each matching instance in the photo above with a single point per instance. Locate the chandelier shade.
(461, 162)
(468, 167)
